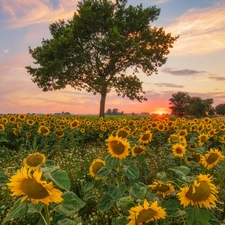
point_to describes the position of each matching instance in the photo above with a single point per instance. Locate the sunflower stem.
(47, 216)
(43, 218)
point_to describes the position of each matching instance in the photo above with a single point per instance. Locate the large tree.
(179, 103)
(199, 107)
(93, 50)
(183, 104)
(220, 109)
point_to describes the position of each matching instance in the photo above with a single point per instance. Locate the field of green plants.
(154, 170)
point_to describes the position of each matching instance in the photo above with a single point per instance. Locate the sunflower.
(74, 124)
(221, 139)
(43, 130)
(33, 161)
(200, 127)
(212, 158)
(59, 133)
(195, 157)
(178, 150)
(2, 127)
(95, 166)
(162, 188)
(183, 132)
(138, 149)
(161, 127)
(32, 187)
(146, 213)
(222, 127)
(118, 147)
(30, 122)
(201, 193)
(192, 146)
(122, 133)
(146, 137)
(202, 138)
(21, 116)
(12, 119)
(28, 134)
(173, 138)
(5, 120)
(19, 125)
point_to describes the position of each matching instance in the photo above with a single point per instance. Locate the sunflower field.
(70, 170)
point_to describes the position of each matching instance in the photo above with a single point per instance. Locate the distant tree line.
(114, 111)
(181, 103)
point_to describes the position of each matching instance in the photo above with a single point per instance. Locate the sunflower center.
(145, 137)
(97, 166)
(203, 138)
(145, 215)
(201, 193)
(117, 147)
(122, 133)
(162, 188)
(34, 160)
(212, 158)
(179, 150)
(138, 150)
(33, 189)
(44, 130)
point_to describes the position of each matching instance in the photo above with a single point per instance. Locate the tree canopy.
(183, 104)
(94, 49)
(220, 109)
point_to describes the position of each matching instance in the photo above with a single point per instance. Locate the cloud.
(6, 51)
(169, 85)
(160, 1)
(201, 31)
(217, 78)
(19, 13)
(184, 72)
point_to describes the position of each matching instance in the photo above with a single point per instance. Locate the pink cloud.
(19, 13)
(201, 31)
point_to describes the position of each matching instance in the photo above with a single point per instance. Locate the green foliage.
(220, 109)
(71, 203)
(183, 104)
(197, 216)
(120, 184)
(18, 211)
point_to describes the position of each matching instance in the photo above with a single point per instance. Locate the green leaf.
(106, 203)
(111, 162)
(213, 220)
(67, 221)
(2, 139)
(181, 171)
(18, 211)
(122, 220)
(145, 169)
(34, 208)
(172, 208)
(71, 203)
(3, 177)
(131, 171)
(103, 172)
(161, 175)
(138, 191)
(117, 192)
(60, 177)
(197, 216)
(125, 201)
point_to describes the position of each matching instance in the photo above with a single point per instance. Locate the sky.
(196, 63)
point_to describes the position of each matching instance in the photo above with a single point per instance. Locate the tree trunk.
(102, 105)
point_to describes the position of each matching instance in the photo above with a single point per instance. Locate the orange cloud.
(201, 31)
